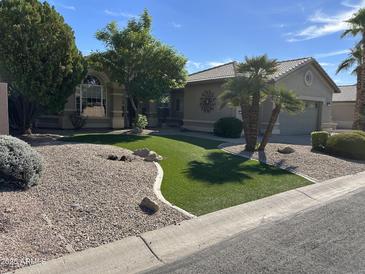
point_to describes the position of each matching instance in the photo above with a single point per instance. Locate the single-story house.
(198, 104)
(4, 118)
(344, 106)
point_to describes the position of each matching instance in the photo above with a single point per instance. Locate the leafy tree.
(38, 58)
(248, 90)
(357, 27)
(133, 58)
(283, 99)
(354, 60)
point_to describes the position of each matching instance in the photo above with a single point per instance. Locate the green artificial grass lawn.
(200, 178)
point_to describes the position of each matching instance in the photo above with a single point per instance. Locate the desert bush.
(319, 139)
(347, 144)
(20, 164)
(229, 127)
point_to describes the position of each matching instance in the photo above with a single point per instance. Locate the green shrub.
(347, 144)
(141, 121)
(229, 127)
(319, 139)
(20, 164)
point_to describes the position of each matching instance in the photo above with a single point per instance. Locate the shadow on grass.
(106, 139)
(201, 142)
(222, 167)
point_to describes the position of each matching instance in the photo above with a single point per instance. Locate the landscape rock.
(123, 158)
(112, 157)
(149, 205)
(143, 152)
(153, 157)
(286, 150)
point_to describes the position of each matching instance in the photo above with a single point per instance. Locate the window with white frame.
(91, 98)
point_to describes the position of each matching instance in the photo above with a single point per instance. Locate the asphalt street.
(325, 239)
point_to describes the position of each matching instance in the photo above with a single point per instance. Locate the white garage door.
(301, 123)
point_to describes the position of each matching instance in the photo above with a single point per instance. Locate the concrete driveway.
(326, 239)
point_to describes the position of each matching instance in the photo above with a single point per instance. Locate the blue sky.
(212, 32)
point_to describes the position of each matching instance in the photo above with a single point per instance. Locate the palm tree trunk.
(253, 121)
(357, 121)
(361, 100)
(274, 117)
(244, 115)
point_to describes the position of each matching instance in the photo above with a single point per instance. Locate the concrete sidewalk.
(155, 248)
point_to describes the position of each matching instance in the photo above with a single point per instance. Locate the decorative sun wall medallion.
(207, 101)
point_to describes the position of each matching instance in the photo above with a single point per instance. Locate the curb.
(158, 193)
(222, 147)
(155, 248)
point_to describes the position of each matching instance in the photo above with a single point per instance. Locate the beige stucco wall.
(4, 117)
(343, 114)
(194, 117)
(319, 91)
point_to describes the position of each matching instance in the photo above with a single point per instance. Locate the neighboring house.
(344, 107)
(102, 101)
(4, 117)
(199, 106)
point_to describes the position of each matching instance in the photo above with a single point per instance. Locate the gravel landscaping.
(315, 165)
(83, 200)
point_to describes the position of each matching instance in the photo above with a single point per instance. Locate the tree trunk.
(244, 114)
(359, 119)
(135, 108)
(21, 114)
(253, 121)
(274, 117)
(356, 122)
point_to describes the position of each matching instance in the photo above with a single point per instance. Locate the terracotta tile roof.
(229, 70)
(348, 94)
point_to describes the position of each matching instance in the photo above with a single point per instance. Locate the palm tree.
(237, 93)
(285, 100)
(355, 60)
(357, 26)
(258, 70)
(247, 90)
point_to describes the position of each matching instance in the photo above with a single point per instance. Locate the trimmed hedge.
(20, 164)
(347, 144)
(228, 127)
(319, 139)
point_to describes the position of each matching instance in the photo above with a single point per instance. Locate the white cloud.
(67, 7)
(325, 64)
(197, 66)
(119, 14)
(176, 25)
(332, 53)
(324, 24)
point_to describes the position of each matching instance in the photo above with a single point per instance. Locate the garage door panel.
(300, 123)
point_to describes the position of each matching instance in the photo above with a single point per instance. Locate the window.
(91, 98)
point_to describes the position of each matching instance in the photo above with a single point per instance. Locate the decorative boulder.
(112, 157)
(286, 150)
(143, 152)
(149, 205)
(153, 157)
